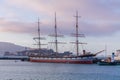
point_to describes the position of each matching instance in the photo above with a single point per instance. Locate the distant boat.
(108, 62)
(84, 58)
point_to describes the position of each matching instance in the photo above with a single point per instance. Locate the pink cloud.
(22, 27)
(66, 28)
(98, 16)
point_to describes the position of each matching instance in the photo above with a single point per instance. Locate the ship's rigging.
(39, 38)
(56, 35)
(77, 35)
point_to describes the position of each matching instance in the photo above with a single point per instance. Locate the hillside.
(6, 46)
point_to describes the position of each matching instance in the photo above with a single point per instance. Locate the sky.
(99, 21)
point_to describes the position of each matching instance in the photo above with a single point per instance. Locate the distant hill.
(10, 47)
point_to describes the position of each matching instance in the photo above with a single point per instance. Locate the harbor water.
(17, 70)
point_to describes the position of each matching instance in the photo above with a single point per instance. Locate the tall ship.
(56, 57)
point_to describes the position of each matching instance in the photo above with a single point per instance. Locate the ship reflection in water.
(11, 70)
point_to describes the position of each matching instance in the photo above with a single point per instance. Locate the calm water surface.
(12, 70)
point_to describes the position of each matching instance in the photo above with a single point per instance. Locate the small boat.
(108, 62)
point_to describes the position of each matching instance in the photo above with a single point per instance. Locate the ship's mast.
(39, 42)
(77, 41)
(77, 35)
(56, 41)
(56, 35)
(39, 38)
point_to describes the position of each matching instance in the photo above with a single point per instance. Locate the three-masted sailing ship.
(78, 59)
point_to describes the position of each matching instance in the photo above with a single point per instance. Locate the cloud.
(23, 27)
(100, 29)
(14, 26)
(98, 17)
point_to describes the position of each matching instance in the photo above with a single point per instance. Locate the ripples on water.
(12, 70)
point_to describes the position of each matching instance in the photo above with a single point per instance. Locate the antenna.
(105, 50)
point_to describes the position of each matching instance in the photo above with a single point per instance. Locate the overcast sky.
(100, 21)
